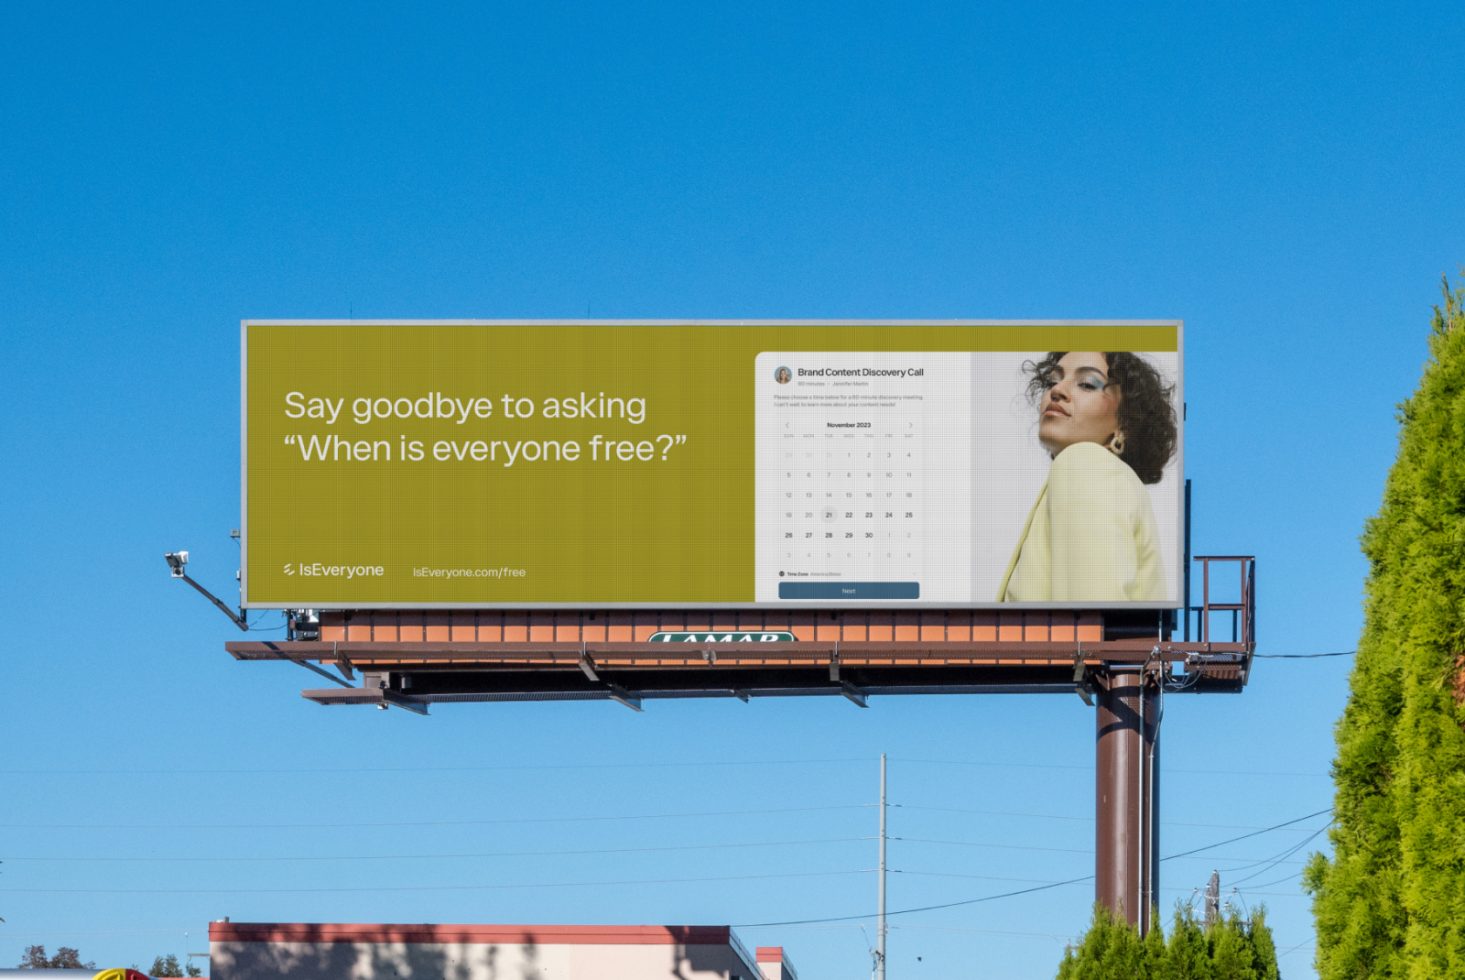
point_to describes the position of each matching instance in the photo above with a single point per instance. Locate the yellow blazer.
(1090, 536)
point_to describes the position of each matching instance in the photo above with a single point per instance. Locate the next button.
(849, 590)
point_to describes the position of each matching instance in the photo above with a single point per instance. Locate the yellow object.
(1090, 537)
(115, 974)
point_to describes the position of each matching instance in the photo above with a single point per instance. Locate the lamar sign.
(723, 637)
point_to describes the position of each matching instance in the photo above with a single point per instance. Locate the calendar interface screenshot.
(863, 476)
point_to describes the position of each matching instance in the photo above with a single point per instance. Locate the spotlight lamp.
(176, 561)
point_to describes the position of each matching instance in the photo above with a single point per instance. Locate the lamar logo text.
(724, 636)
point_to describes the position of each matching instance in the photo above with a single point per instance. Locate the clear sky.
(1285, 178)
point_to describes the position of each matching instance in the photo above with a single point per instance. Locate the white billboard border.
(1183, 533)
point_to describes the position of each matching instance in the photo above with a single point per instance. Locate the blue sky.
(1285, 179)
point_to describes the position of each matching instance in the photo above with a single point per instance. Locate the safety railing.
(1236, 611)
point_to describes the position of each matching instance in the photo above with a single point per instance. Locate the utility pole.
(1213, 899)
(880, 922)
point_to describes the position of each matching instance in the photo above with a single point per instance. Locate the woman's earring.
(1116, 443)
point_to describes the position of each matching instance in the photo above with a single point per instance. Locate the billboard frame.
(1177, 558)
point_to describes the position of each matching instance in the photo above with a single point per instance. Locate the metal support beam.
(1081, 679)
(388, 698)
(237, 618)
(343, 664)
(619, 695)
(323, 672)
(853, 693)
(1125, 810)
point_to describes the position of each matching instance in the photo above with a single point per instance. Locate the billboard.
(749, 464)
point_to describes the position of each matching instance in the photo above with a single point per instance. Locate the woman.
(1107, 421)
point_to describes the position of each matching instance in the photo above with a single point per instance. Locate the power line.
(924, 908)
(1302, 656)
(1276, 881)
(1089, 768)
(1294, 949)
(430, 857)
(1248, 862)
(1000, 847)
(952, 874)
(1047, 881)
(1282, 856)
(1021, 891)
(421, 888)
(990, 813)
(414, 769)
(575, 767)
(985, 764)
(336, 825)
(1255, 833)
(985, 932)
(594, 851)
(1060, 816)
(646, 881)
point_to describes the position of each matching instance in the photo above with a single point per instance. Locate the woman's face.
(1079, 405)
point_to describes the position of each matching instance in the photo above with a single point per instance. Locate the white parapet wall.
(774, 964)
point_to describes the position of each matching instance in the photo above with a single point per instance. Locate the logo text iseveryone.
(316, 569)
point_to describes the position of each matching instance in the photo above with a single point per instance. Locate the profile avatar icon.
(783, 375)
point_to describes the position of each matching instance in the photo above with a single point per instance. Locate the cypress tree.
(1188, 954)
(1155, 958)
(1231, 951)
(1263, 947)
(1431, 786)
(1124, 955)
(1391, 902)
(1111, 948)
(1069, 964)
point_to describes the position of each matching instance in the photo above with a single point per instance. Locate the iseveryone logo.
(725, 636)
(317, 569)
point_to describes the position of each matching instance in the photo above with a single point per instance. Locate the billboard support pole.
(1124, 810)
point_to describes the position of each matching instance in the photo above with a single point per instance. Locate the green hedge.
(1232, 948)
(1391, 901)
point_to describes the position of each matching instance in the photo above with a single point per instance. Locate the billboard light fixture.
(304, 624)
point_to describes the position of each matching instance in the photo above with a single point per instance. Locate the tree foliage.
(1230, 949)
(66, 958)
(1391, 901)
(168, 966)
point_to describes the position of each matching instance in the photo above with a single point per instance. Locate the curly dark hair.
(1146, 414)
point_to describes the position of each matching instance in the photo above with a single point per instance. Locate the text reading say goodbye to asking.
(437, 406)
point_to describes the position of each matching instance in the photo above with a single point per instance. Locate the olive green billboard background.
(356, 526)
